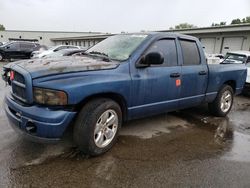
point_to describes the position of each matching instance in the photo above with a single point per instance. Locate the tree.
(246, 20)
(236, 21)
(183, 26)
(241, 21)
(223, 23)
(2, 28)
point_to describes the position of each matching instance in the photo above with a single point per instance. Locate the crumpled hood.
(65, 64)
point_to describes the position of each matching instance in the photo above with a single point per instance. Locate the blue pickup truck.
(124, 77)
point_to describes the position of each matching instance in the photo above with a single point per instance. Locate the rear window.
(234, 58)
(190, 53)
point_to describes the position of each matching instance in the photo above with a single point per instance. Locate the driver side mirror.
(152, 58)
(7, 47)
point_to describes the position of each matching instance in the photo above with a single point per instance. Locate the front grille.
(19, 91)
(18, 87)
(19, 78)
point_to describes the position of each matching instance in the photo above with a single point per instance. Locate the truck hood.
(65, 64)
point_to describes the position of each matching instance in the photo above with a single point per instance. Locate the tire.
(92, 133)
(223, 102)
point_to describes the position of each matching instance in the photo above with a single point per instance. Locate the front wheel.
(223, 102)
(97, 126)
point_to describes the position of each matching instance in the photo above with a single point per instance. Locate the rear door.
(26, 49)
(194, 75)
(154, 87)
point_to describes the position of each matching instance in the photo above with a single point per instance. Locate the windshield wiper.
(99, 53)
(106, 58)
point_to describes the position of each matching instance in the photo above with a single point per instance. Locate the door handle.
(202, 73)
(175, 75)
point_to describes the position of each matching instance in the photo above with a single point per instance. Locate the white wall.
(43, 37)
(222, 38)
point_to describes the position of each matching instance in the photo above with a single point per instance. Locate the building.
(85, 41)
(221, 39)
(217, 40)
(42, 37)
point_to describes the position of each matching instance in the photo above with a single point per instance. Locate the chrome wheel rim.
(226, 101)
(106, 128)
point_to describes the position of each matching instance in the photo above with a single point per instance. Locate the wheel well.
(113, 96)
(231, 83)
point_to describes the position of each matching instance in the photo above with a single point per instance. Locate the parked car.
(65, 52)
(17, 50)
(123, 77)
(52, 50)
(240, 57)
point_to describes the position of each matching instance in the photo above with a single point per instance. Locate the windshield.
(53, 48)
(235, 58)
(118, 47)
(6, 44)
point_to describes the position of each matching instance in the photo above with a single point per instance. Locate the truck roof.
(162, 34)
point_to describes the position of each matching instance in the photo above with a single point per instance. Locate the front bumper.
(50, 124)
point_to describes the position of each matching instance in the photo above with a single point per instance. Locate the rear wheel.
(97, 126)
(223, 102)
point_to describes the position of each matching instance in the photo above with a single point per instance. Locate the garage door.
(208, 45)
(232, 44)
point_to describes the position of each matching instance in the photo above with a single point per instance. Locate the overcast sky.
(116, 15)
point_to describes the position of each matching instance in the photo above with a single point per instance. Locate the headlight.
(49, 97)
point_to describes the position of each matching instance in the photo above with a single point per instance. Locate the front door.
(12, 50)
(155, 88)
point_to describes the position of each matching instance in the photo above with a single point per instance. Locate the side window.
(72, 47)
(26, 46)
(190, 53)
(13, 46)
(61, 48)
(168, 48)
